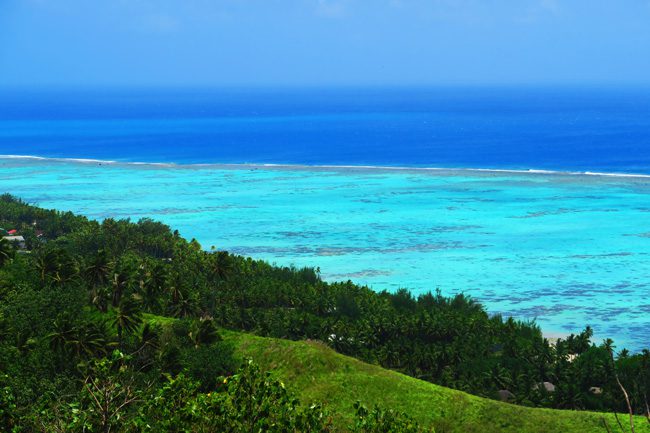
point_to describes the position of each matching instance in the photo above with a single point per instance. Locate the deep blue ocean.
(581, 129)
(548, 243)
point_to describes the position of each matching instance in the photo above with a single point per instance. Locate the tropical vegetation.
(118, 326)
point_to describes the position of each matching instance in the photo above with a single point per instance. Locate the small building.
(17, 240)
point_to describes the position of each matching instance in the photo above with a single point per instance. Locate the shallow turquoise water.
(566, 250)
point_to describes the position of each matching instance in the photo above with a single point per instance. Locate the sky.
(323, 42)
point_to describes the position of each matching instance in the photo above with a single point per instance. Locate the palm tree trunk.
(620, 385)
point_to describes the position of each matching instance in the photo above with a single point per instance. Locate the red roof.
(12, 232)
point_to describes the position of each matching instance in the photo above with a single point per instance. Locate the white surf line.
(335, 167)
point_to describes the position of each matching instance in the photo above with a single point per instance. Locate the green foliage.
(254, 401)
(7, 251)
(109, 391)
(55, 265)
(314, 372)
(127, 317)
(379, 420)
(246, 402)
(7, 406)
(207, 363)
(203, 332)
(87, 287)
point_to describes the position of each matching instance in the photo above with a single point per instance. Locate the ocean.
(554, 129)
(491, 192)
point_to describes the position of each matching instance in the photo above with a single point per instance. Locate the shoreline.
(327, 167)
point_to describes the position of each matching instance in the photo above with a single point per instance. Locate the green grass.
(316, 373)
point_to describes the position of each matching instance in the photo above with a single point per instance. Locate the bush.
(380, 420)
(206, 364)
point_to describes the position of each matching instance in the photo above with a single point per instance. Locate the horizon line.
(316, 86)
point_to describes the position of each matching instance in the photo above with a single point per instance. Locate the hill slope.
(317, 373)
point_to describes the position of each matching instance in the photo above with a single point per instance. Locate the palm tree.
(46, 263)
(7, 251)
(608, 344)
(148, 337)
(62, 335)
(185, 307)
(100, 337)
(222, 265)
(55, 265)
(158, 276)
(90, 339)
(174, 282)
(122, 281)
(100, 297)
(127, 317)
(204, 332)
(97, 271)
(148, 344)
(24, 342)
(150, 286)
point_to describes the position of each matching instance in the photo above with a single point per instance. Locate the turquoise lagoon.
(567, 250)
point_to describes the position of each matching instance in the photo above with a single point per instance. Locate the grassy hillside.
(317, 373)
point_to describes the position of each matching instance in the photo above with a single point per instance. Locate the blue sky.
(323, 42)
